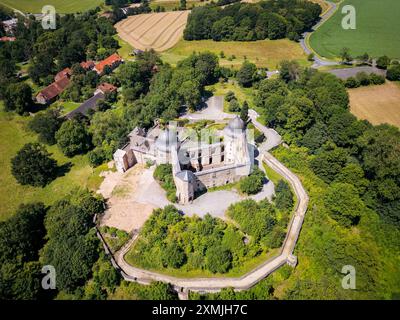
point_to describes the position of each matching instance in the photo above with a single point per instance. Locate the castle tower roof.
(236, 124)
(186, 175)
(166, 140)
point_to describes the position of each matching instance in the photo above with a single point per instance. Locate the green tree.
(383, 62)
(344, 204)
(18, 98)
(345, 55)
(244, 112)
(173, 255)
(284, 196)
(218, 259)
(289, 70)
(33, 165)
(46, 124)
(73, 138)
(247, 74)
(393, 73)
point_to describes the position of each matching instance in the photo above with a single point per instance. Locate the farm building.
(7, 39)
(91, 103)
(51, 92)
(111, 62)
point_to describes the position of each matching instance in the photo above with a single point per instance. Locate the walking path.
(131, 273)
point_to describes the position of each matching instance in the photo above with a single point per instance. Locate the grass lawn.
(242, 94)
(13, 135)
(125, 49)
(377, 30)
(170, 5)
(264, 53)
(62, 6)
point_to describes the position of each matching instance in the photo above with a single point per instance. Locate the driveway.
(214, 110)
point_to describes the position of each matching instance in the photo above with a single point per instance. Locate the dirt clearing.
(123, 211)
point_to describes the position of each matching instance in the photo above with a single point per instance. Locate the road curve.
(319, 61)
(285, 255)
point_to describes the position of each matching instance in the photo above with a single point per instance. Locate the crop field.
(159, 31)
(62, 6)
(264, 53)
(377, 104)
(377, 30)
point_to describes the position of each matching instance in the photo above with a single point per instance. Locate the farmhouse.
(196, 165)
(67, 72)
(51, 92)
(111, 62)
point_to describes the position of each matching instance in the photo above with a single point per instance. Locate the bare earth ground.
(123, 211)
(159, 31)
(377, 104)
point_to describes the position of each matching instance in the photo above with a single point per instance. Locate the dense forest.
(171, 241)
(274, 19)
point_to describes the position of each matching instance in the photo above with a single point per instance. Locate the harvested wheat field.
(377, 104)
(158, 31)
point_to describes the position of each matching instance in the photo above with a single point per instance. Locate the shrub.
(230, 96)
(163, 173)
(97, 157)
(234, 106)
(393, 73)
(352, 83)
(383, 62)
(284, 196)
(253, 183)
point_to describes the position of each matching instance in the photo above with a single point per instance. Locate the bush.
(253, 183)
(33, 165)
(393, 73)
(376, 78)
(383, 62)
(234, 106)
(352, 83)
(163, 173)
(230, 96)
(97, 157)
(363, 78)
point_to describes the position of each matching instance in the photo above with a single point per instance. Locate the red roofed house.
(51, 92)
(87, 65)
(6, 39)
(67, 72)
(105, 88)
(112, 62)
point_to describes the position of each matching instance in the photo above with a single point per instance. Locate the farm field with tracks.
(159, 31)
(377, 104)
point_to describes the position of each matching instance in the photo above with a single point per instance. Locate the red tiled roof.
(87, 65)
(63, 73)
(110, 61)
(53, 90)
(106, 87)
(4, 39)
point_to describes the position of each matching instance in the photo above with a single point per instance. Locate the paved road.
(131, 273)
(318, 62)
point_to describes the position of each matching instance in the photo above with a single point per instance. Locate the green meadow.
(377, 30)
(62, 6)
